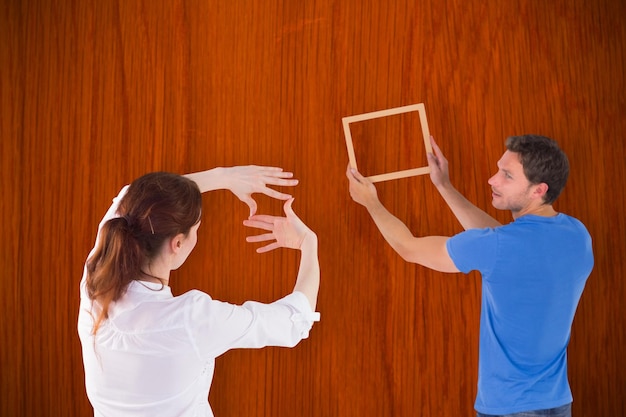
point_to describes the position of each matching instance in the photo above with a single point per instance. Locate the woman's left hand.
(243, 181)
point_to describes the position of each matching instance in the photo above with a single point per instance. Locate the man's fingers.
(432, 160)
(435, 147)
(350, 171)
(353, 174)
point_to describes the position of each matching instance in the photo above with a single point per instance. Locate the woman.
(148, 353)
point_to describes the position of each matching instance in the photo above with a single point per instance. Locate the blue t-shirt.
(533, 274)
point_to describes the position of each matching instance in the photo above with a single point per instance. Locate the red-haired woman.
(149, 353)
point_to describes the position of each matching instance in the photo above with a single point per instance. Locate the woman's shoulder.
(193, 296)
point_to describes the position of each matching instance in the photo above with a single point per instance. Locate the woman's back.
(144, 361)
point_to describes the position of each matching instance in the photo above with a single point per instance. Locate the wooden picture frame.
(384, 113)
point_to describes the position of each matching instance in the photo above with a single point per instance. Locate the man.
(533, 271)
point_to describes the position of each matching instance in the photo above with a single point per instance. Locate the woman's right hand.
(287, 232)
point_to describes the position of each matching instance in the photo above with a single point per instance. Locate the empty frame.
(384, 113)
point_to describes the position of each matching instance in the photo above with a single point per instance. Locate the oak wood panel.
(95, 94)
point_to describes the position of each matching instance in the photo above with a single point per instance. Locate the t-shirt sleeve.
(216, 326)
(473, 250)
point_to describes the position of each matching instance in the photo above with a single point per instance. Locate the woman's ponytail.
(115, 263)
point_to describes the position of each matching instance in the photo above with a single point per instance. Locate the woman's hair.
(155, 208)
(543, 161)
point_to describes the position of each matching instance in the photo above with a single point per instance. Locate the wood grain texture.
(94, 94)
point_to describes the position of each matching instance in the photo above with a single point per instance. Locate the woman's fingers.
(260, 238)
(268, 248)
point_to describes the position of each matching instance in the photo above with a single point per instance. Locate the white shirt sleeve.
(216, 326)
(111, 213)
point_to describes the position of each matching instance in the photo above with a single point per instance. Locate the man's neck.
(544, 210)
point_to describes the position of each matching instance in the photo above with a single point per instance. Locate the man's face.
(510, 188)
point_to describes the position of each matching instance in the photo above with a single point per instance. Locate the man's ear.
(540, 190)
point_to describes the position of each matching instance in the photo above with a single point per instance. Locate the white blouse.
(155, 354)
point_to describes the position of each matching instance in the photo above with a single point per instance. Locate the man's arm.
(429, 251)
(470, 216)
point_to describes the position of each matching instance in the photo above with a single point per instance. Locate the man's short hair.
(543, 161)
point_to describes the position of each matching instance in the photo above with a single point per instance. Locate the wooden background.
(95, 93)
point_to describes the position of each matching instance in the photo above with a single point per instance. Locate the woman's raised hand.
(285, 232)
(244, 181)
